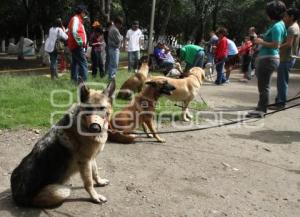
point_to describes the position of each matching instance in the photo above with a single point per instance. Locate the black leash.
(218, 125)
(233, 110)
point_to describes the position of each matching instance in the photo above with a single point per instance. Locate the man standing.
(114, 43)
(134, 38)
(287, 50)
(213, 41)
(77, 42)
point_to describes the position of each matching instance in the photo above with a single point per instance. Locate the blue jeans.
(165, 64)
(53, 64)
(283, 80)
(114, 55)
(133, 60)
(220, 72)
(199, 59)
(79, 63)
(210, 57)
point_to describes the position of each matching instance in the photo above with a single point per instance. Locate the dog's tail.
(52, 195)
(120, 137)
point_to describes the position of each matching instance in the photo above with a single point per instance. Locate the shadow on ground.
(271, 136)
(8, 205)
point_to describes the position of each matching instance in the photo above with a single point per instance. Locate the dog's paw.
(99, 199)
(186, 120)
(189, 116)
(102, 198)
(149, 135)
(102, 182)
(161, 141)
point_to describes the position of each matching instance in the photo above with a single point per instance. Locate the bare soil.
(250, 170)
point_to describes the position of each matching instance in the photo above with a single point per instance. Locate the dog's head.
(144, 60)
(198, 72)
(95, 107)
(162, 86)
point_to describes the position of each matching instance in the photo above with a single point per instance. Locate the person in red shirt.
(244, 52)
(221, 55)
(77, 43)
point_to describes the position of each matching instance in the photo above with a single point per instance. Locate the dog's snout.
(95, 128)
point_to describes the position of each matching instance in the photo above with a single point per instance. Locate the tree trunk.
(215, 15)
(166, 19)
(105, 9)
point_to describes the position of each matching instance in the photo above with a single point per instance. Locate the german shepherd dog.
(135, 83)
(139, 113)
(70, 146)
(186, 88)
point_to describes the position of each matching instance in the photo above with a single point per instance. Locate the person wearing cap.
(114, 43)
(134, 37)
(77, 42)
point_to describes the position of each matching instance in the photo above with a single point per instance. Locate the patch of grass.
(26, 100)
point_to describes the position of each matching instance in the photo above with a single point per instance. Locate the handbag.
(59, 45)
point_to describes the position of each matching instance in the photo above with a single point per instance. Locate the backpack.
(59, 44)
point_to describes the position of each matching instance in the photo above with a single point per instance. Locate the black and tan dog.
(71, 146)
(140, 113)
(135, 83)
(186, 88)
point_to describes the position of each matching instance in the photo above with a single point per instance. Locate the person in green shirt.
(268, 57)
(192, 55)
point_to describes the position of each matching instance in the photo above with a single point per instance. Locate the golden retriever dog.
(139, 113)
(185, 88)
(135, 83)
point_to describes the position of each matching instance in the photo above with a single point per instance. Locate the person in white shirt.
(134, 38)
(56, 32)
(232, 57)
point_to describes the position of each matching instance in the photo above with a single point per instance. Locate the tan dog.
(140, 113)
(71, 146)
(186, 88)
(135, 83)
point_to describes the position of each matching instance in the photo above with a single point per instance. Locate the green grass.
(25, 100)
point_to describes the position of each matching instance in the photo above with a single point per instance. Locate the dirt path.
(251, 170)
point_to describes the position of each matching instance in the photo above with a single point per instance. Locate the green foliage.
(25, 100)
(190, 19)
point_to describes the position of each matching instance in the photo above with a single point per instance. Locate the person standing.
(192, 55)
(77, 43)
(268, 57)
(213, 41)
(244, 52)
(98, 51)
(114, 43)
(134, 37)
(287, 50)
(232, 58)
(56, 32)
(221, 55)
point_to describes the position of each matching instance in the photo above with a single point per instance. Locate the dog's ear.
(151, 83)
(110, 89)
(84, 91)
